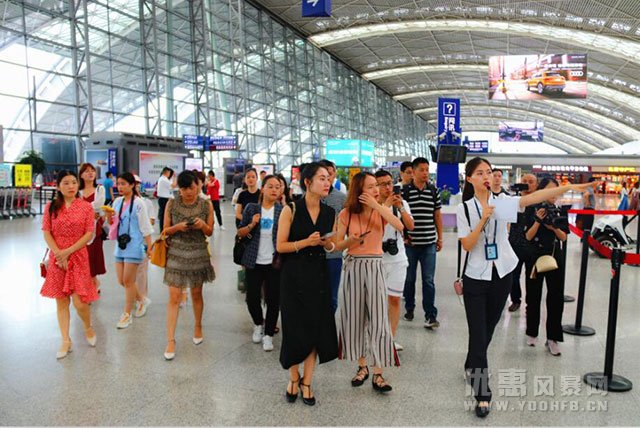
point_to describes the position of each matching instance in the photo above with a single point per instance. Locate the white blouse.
(98, 199)
(478, 266)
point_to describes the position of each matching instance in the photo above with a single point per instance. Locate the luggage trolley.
(16, 210)
(4, 202)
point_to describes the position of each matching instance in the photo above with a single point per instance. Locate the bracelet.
(333, 247)
(295, 245)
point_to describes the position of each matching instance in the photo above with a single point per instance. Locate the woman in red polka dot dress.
(68, 225)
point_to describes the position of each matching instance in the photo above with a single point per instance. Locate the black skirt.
(305, 305)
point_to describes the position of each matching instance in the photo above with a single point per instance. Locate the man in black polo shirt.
(424, 241)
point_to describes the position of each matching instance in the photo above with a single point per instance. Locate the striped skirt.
(363, 322)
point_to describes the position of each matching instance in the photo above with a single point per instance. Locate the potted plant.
(34, 159)
(445, 195)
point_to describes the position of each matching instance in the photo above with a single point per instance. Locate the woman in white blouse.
(487, 275)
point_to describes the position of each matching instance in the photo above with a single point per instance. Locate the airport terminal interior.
(145, 91)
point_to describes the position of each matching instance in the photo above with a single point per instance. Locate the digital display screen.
(350, 152)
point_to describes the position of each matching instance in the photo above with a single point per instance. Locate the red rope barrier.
(604, 251)
(603, 212)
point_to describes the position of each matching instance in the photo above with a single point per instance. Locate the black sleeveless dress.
(305, 294)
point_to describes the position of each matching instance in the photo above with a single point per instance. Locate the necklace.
(362, 234)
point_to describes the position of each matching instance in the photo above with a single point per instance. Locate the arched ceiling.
(418, 50)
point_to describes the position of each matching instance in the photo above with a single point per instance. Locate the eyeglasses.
(385, 184)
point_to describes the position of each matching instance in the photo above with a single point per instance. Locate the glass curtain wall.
(174, 67)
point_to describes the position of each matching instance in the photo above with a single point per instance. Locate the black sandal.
(291, 397)
(379, 384)
(361, 375)
(308, 401)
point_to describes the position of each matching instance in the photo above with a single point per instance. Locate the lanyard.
(495, 225)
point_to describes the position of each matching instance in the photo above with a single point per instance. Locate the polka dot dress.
(69, 225)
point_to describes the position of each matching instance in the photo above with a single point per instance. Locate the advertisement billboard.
(151, 164)
(5, 175)
(269, 168)
(191, 164)
(100, 161)
(537, 77)
(350, 152)
(521, 131)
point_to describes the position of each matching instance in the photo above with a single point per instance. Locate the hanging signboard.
(22, 174)
(316, 8)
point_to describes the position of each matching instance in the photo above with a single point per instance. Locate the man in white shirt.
(406, 173)
(164, 189)
(394, 259)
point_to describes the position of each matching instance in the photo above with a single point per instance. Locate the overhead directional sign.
(449, 132)
(316, 8)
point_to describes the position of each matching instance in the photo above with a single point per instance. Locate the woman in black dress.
(308, 325)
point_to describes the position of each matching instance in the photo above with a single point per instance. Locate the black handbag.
(240, 247)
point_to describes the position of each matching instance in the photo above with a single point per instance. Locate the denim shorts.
(128, 260)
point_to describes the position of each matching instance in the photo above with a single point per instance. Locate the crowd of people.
(332, 265)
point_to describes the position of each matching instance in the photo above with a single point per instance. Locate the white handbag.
(545, 263)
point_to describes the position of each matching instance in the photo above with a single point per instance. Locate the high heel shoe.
(170, 355)
(91, 340)
(311, 401)
(290, 396)
(198, 340)
(61, 354)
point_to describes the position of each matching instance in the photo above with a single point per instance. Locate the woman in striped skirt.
(363, 323)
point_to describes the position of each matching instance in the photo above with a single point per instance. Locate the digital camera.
(556, 216)
(390, 246)
(123, 240)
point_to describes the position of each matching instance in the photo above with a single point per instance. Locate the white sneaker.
(531, 341)
(141, 308)
(398, 346)
(257, 334)
(125, 320)
(222, 227)
(267, 343)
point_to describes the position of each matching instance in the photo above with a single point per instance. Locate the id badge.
(491, 251)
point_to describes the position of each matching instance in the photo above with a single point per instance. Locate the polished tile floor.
(230, 381)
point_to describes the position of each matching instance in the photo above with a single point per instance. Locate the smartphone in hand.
(327, 235)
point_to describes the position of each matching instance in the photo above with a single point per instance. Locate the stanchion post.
(638, 232)
(578, 329)
(563, 256)
(607, 380)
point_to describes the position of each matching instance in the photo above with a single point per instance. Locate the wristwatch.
(401, 209)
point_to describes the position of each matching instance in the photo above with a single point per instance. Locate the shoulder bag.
(44, 264)
(545, 263)
(457, 284)
(159, 250)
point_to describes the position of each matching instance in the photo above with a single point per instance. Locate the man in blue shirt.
(108, 188)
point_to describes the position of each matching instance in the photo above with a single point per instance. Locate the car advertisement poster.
(538, 77)
(521, 131)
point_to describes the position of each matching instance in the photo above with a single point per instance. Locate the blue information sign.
(224, 142)
(193, 142)
(448, 133)
(477, 146)
(316, 8)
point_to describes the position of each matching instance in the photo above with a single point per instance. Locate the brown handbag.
(159, 251)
